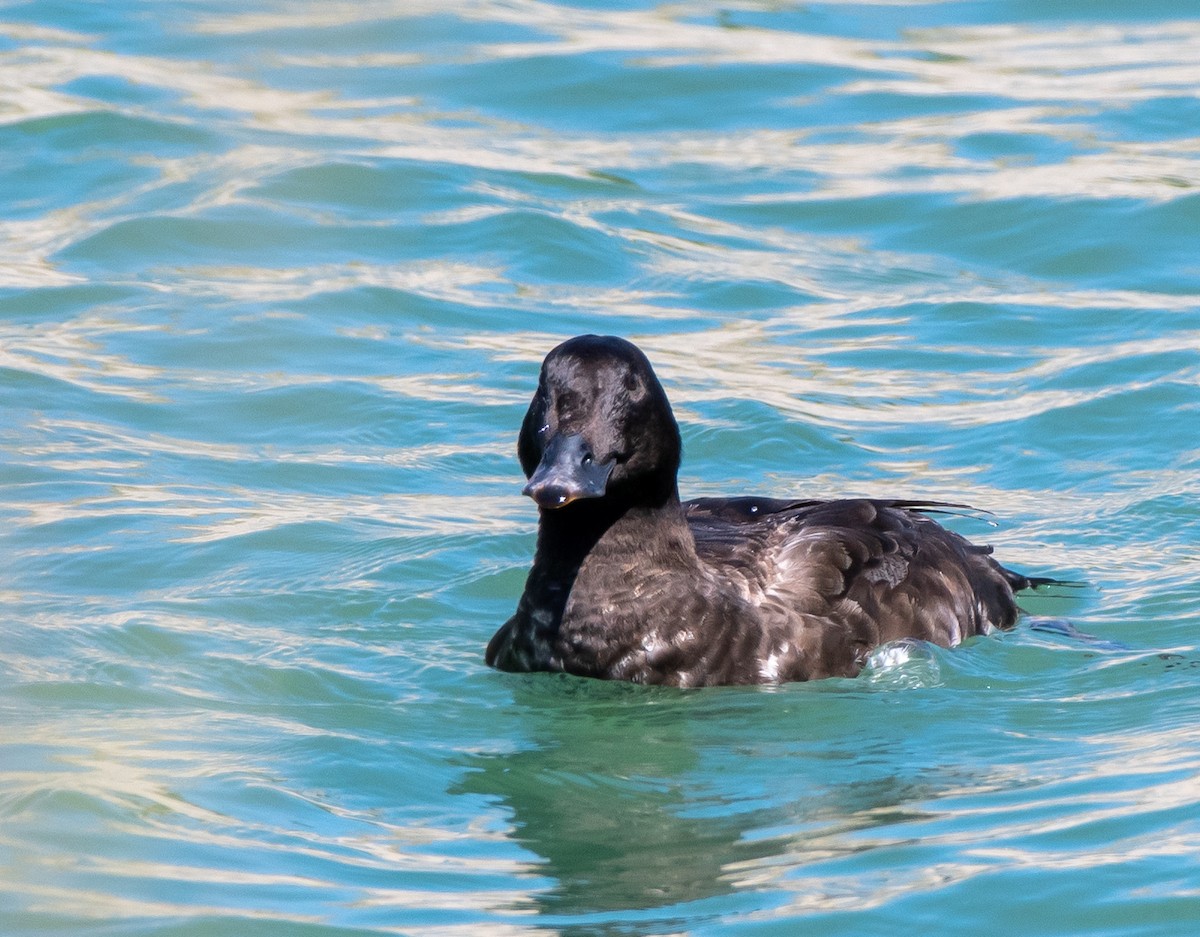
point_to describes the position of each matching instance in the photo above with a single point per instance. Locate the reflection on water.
(986, 154)
(649, 826)
(652, 826)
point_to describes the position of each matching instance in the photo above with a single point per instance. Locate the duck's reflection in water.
(637, 799)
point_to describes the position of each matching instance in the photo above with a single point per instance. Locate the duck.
(630, 583)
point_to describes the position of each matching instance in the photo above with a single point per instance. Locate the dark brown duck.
(628, 583)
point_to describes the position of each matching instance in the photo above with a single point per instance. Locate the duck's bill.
(568, 472)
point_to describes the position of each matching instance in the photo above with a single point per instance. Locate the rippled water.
(275, 279)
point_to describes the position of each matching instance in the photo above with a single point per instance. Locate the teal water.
(275, 280)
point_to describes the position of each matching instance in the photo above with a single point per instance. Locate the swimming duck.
(630, 583)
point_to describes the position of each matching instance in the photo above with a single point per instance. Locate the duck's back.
(841, 577)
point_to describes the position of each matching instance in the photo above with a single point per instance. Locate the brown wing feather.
(836, 578)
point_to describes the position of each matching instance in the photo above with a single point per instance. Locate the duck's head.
(599, 426)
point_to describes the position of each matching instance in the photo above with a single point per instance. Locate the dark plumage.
(628, 583)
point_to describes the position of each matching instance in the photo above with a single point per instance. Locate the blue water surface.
(275, 280)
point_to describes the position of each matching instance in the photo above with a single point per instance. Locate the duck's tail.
(1020, 582)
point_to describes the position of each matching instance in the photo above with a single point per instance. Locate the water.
(275, 279)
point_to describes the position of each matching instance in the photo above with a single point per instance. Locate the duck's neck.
(640, 533)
